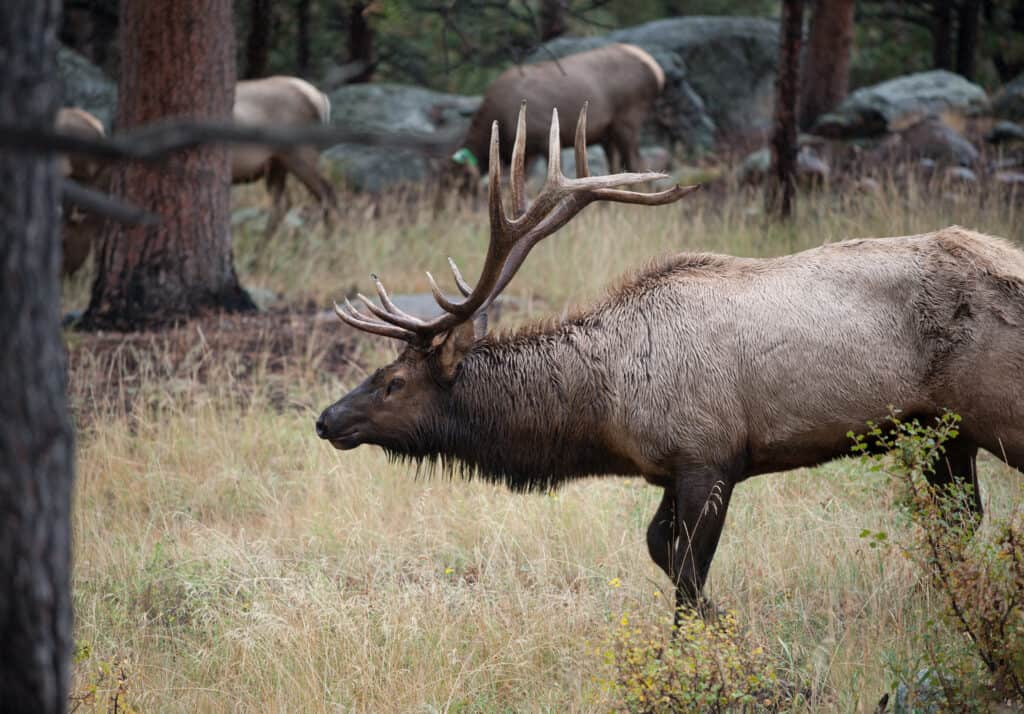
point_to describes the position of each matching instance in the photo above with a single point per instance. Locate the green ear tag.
(464, 156)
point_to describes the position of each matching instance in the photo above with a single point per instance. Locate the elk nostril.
(321, 428)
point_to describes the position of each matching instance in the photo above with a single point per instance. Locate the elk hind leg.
(275, 179)
(956, 476)
(303, 165)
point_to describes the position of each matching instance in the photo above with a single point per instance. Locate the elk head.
(404, 406)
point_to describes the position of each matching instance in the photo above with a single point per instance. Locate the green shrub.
(979, 576)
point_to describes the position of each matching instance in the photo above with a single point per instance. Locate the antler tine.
(554, 152)
(497, 212)
(582, 168)
(459, 281)
(518, 178)
(377, 328)
(399, 318)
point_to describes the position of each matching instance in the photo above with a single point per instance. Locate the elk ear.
(453, 346)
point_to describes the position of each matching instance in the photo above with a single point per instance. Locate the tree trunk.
(552, 19)
(942, 34)
(178, 59)
(968, 20)
(302, 52)
(826, 71)
(257, 43)
(35, 429)
(780, 195)
(360, 42)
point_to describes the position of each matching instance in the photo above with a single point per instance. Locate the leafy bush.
(980, 578)
(709, 666)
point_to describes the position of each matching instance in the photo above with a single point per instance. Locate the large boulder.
(900, 102)
(415, 126)
(719, 74)
(1009, 101)
(84, 85)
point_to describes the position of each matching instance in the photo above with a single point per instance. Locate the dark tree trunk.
(257, 43)
(360, 42)
(552, 19)
(90, 28)
(942, 34)
(35, 429)
(826, 71)
(968, 20)
(780, 195)
(302, 51)
(177, 60)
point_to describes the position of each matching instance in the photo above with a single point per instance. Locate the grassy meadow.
(227, 560)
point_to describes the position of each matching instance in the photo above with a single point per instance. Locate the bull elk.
(700, 371)
(281, 102)
(620, 82)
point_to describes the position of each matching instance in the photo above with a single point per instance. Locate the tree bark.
(826, 71)
(780, 196)
(942, 34)
(257, 42)
(302, 51)
(968, 20)
(178, 59)
(36, 466)
(360, 42)
(552, 19)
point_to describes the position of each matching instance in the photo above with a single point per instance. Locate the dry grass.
(226, 560)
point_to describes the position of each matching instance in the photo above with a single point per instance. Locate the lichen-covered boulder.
(1009, 101)
(900, 102)
(396, 111)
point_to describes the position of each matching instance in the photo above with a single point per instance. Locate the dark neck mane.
(525, 410)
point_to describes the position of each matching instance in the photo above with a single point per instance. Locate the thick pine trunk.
(826, 70)
(780, 196)
(360, 42)
(968, 21)
(552, 19)
(178, 59)
(302, 50)
(257, 42)
(942, 33)
(35, 429)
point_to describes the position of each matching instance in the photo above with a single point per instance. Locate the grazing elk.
(78, 228)
(281, 102)
(700, 371)
(620, 82)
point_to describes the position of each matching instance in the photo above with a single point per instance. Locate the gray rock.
(961, 174)
(264, 298)
(894, 104)
(719, 74)
(375, 169)
(1009, 101)
(1005, 132)
(396, 110)
(1009, 178)
(935, 140)
(84, 85)
(810, 167)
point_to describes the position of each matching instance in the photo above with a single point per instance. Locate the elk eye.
(394, 385)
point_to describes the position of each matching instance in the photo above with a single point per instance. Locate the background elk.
(700, 371)
(77, 227)
(620, 82)
(281, 102)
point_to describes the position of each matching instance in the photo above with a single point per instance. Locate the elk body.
(620, 82)
(77, 228)
(281, 102)
(701, 370)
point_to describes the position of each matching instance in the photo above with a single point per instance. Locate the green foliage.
(105, 689)
(978, 575)
(709, 666)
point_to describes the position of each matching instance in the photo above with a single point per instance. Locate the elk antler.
(560, 199)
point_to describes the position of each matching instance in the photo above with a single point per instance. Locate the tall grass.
(226, 560)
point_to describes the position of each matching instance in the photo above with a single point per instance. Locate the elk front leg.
(684, 533)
